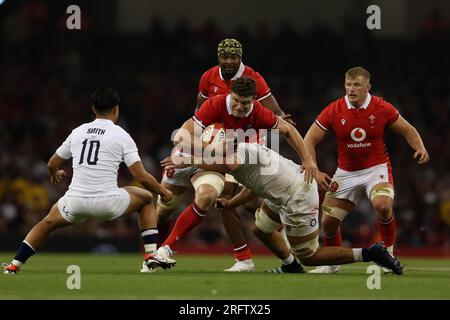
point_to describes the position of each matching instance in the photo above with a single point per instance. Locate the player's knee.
(383, 209)
(205, 196)
(147, 196)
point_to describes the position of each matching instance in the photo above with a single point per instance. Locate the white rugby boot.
(326, 269)
(165, 252)
(161, 258)
(146, 269)
(242, 266)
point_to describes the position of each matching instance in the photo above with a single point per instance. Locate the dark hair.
(104, 99)
(244, 86)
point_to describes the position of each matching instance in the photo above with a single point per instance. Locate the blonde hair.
(357, 71)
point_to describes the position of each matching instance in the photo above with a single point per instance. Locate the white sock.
(357, 255)
(149, 248)
(17, 263)
(288, 260)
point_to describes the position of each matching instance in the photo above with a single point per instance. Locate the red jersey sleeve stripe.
(198, 122)
(203, 95)
(321, 126)
(264, 96)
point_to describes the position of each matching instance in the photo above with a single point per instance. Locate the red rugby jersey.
(212, 83)
(359, 132)
(218, 109)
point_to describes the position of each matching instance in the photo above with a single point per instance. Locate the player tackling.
(290, 201)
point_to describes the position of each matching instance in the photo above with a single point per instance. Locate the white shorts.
(180, 177)
(355, 185)
(76, 209)
(300, 215)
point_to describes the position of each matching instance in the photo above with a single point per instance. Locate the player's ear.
(93, 110)
(369, 86)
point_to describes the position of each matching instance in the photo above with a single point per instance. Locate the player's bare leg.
(382, 197)
(208, 185)
(141, 200)
(333, 212)
(40, 232)
(308, 251)
(164, 211)
(266, 229)
(36, 238)
(233, 227)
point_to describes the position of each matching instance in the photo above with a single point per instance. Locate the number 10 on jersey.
(92, 144)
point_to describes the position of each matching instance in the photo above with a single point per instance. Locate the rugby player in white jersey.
(97, 149)
(290, 201)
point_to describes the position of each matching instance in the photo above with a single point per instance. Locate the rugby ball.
(213, 134)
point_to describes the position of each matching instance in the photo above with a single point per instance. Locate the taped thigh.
(334, 212)
(264, 223)
(384, 191)
(213, 180)
(306, 249)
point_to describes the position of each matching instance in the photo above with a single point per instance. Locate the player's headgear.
(231, 46)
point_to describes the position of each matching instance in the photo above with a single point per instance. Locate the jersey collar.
(364, 105)
(102, 120)
(237, 75)
(228, 103)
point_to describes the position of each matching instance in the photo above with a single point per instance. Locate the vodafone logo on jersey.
(358, 134)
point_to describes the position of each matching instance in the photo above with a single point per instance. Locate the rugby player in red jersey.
(359, 121)
(237, 110)
(218, 81)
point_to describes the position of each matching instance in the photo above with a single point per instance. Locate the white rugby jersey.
(97, 148)
(268, 174)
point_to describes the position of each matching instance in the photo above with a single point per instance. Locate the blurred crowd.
(48, 73)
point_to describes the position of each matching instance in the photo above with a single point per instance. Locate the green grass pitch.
(201, 277)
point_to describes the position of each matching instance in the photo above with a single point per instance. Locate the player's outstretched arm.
(404, 128)
(176, 162)
(53, 166)
(312, 138)
(148, 181)
(295, 140)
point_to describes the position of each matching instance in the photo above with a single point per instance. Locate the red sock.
(387, 231)
(242, 253)
(333, 241)
(188, 219)
(164, 230)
